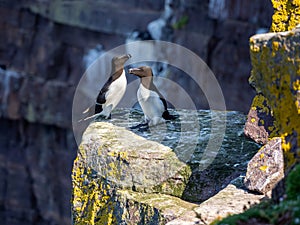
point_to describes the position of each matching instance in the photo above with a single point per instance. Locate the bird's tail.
(86, 112)
(89, 117)
(167, 116)
(90, 113)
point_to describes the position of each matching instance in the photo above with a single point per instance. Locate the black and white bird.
(150, 99)
(113, 90)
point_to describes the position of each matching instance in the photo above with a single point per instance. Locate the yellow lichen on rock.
(260, 125)
(263, 168)
(112, 159)
(89, 196)
(275, 45)
(286, 15)
(261, 102)
(296, 84)
(276, 77)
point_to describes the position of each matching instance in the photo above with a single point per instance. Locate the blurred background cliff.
(44, 49)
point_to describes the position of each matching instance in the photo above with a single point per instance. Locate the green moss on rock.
(293, 184)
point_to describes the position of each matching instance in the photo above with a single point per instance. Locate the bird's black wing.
(154, 88)
(166, 115)
(101, 96)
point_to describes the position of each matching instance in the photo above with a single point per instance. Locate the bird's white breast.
(115, 92)
(151, 104)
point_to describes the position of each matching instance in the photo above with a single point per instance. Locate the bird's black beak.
(125, 57)
(133, 70)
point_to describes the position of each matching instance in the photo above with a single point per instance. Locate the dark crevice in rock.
(3, 185)
(212, 44)
(37, 217)
(3, 66)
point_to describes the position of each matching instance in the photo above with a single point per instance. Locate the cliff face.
(54, 36)
(120, 177)
(276, 77)
(274, 119)
(34, 169)
(41, 51)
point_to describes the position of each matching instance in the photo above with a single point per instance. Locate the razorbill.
(150, 99)
(113, 90)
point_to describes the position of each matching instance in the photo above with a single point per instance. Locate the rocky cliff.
(122, 178)
(275, 115)
(102, 193)
(273, 120)
(42, 47)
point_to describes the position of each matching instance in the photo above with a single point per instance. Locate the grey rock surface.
(131, 161)
(266, 168)
(135, 180)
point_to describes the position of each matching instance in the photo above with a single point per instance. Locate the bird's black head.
(143, 71)
(119, 61)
